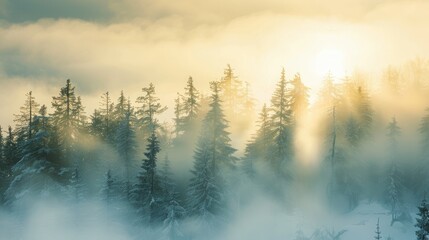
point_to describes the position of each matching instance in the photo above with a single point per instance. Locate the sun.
(330, 60)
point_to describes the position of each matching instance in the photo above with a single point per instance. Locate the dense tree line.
(44, 156)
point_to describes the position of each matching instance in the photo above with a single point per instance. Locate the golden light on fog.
(330, 60)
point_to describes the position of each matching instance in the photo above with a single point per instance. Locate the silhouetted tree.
(24, 120)
(282, 144)
(106, 113)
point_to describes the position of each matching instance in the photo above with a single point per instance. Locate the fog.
(201, 120)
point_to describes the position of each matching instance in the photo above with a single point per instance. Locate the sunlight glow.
(330, 60)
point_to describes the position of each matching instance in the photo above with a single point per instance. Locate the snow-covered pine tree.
(76, 186)
(37, 174)
(213, 158)
(108, 192)
(10, 155)
(422, 224)
(173, 210)
(146, 193)
(206, 199)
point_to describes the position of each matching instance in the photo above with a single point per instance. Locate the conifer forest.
(134, 120)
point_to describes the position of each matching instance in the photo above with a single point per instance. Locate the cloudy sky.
(110, 45)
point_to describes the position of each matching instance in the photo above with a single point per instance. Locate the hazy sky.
(112, 45)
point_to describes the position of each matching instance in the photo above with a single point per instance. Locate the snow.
(265, 220)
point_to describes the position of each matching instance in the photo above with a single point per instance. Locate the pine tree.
(38, 172)
(67, 117)
(298, 98)
(329, 94)
(149, 107)
(423, 168)
(173, 210)
(424, 131)
(395, 182)
(230, 88)
(3, 168)
(377, 231)
(178, 116)
(352, 131)
(106, 112)
(187, 121)
(423, 221)
(213, 157)
(186, 111)
(126, 142)
(281, 149)
(356, 109)
(1, 146)
(79, 113)
(108, 191)
(120, 109)
(147, 190)
(10, 154)
(206, 198)
(332, 156)
(257, 148)
(365, 112)
(76, 187)
(190, 105)
(393, 132)
(24, 120)
(96, 125)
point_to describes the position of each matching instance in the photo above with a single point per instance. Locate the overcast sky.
(110, 45)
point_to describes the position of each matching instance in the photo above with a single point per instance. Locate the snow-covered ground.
(269, 222)
(259, 220)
